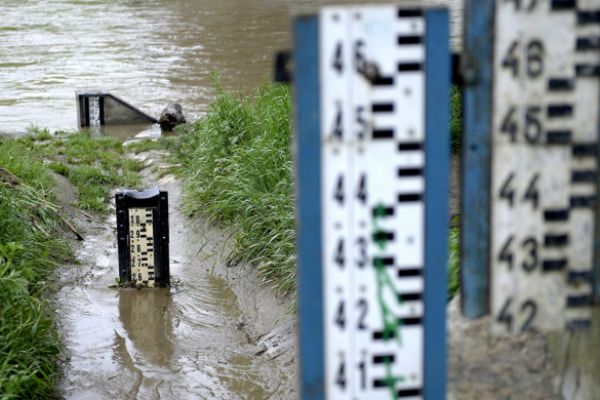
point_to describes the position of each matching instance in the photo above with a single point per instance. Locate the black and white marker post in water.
(143, 237)
(544, 96)
(372, 158)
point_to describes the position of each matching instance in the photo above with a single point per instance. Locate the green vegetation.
(31, 243)
(29, 250)
(93, 165)
(454, 262)
(238, 170)
(456, 118)
(456, 130)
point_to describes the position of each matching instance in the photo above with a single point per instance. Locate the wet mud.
(217, 333)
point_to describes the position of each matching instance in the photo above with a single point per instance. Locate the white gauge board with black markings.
(143, 237)
(141, 245)
(372, 186)
(544, 164)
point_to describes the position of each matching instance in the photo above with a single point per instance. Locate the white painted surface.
(357, 157)
(531, 297)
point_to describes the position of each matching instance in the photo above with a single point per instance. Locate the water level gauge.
(143, 235)
(544, 169)
(372, 154)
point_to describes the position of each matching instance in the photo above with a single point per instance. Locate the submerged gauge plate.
(143, 234)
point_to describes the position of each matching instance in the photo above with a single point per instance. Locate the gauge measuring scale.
(381, 189)
(544, 167)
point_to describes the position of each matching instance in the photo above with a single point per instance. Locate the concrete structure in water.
(95, 108)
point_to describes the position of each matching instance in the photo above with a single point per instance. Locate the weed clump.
(238, 169)
(93, 165)
(30, 248)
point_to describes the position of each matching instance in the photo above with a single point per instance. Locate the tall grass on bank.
(30, 247)
(31, 243)
(238, 170)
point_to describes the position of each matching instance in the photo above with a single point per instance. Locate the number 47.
(519, 4)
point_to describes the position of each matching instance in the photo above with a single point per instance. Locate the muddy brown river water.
(149, 52)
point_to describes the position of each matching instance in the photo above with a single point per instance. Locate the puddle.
(178, 343)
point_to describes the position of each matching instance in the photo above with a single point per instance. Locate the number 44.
(532, 194)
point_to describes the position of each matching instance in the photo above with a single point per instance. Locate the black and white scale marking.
(94, 108)
(372, 184)
(544, 163)
(141, 245)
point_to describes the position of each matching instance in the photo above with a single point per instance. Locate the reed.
(30, 248)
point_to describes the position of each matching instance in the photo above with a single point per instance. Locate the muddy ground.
(217, 333)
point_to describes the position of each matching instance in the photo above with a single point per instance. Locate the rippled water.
(186, 342)
(148, 52)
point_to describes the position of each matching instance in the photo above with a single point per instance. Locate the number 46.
(532, 53)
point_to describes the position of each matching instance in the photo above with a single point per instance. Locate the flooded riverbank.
(216, 334)
(150, 53)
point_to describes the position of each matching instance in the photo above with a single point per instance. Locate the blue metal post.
(437, 153)
(477, 71)
(308, 199)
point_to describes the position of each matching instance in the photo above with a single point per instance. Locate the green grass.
(164, 142)
(456, 132)
(456, 118)
(238, 170)
(94, 165)
(31, 244)
(454, 262)
(30, 248)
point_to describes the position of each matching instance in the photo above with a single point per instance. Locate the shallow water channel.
(150, 52)
(195, 340)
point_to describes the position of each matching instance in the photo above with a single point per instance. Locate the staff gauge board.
(372, 88)
(544, 165)
(143, 237)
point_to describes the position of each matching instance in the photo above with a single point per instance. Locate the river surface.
(149, 52)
